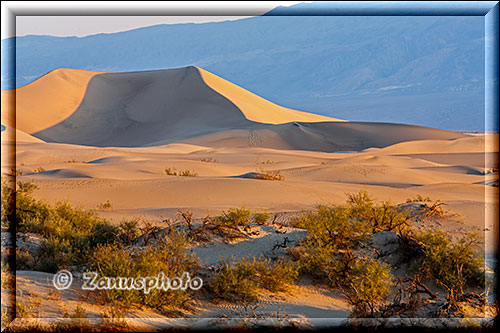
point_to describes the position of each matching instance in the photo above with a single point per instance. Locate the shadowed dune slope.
(141, 108)
(322, 136)
(187, 105)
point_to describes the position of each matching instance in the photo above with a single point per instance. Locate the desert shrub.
(113, 320)
(452, 265)
(369, 285)
(57, 253)
(168, 256)
(241, 280)
(15, 172)
(208, 160)
(277, 276)
(418, 198)
(69, 233)
(334, 225)
(79, 312)
(185, 173)
(188, 173)
(39, 169)
(187, 216)
(236, 217)
(269, 175)
(23, 310)
(334, 231)
(261, 218)
(103, 233)
(386, 217)
(24, 260)
(128, 231)
(434, 210)
(360, 203)
(171, 171)
(105, 205)
(8, 202)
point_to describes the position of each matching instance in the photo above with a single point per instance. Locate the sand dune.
(186, 105)
(321, 136)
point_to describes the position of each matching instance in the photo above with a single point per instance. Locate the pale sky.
(89, 25)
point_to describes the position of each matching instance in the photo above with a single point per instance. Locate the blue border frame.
(489, 9)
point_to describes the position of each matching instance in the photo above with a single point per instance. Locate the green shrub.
(8, 202)
(103, 233)
(128, 231)
(70, 234)
(169, 256)
(276, 276)
(236, 217)
(334, 231)
(79, 312)
(386, 217)
(452, 265)
(241, 280)
(369, 285)
(261, 218)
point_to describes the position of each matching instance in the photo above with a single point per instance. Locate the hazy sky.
(89, 25)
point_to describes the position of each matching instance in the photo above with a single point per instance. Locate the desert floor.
(458, 172)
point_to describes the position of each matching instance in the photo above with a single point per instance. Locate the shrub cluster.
(369, 285)
(452, 265)
(235, 217)
(185, 173)
(70, 234)
(269, 175)
(241, 280)
(169, 255)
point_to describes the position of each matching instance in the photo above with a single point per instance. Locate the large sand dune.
(188, 105)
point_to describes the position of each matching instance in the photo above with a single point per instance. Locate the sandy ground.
(135, 183)
(320, 162)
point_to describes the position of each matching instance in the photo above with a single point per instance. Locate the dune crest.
(256, 108)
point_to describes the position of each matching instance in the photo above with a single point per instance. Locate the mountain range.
(423, 70)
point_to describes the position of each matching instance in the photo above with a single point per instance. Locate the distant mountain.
(424, 70)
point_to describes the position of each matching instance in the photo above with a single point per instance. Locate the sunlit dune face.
(46, 101)
(256, 108)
